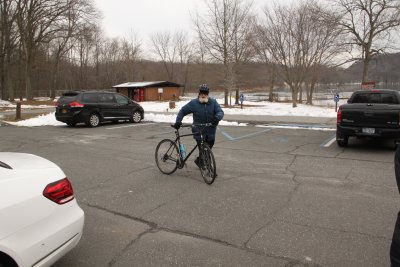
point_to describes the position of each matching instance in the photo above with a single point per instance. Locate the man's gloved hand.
(177, 125)
(214, 122)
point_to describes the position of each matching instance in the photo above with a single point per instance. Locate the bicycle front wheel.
(167, 156)
(208, 169)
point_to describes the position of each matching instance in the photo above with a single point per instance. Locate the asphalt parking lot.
(283, 197)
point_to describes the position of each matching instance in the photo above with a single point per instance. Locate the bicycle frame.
(169, 158)
(177, 141)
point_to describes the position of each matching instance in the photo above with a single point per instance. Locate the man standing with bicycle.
(204, 110)
(395, 246)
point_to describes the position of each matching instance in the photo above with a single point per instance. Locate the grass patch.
(36, 102)
(26, 116)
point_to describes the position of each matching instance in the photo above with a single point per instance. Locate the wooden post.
(18, 111)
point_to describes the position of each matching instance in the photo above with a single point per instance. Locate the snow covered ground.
(160, 112)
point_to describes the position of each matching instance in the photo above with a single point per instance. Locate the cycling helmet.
(203, 89)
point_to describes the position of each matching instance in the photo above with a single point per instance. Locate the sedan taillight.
(59, 192)
(76, 105)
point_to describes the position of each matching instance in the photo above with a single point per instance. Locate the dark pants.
(209, 142)
(395, 247)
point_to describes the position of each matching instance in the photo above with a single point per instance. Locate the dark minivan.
(92, 108)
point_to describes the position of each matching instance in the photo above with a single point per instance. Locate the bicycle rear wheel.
(208, 168)
(167, 156)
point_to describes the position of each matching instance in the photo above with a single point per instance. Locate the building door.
(141, 94)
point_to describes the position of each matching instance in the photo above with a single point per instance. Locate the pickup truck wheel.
(395, 145)
(344, 140)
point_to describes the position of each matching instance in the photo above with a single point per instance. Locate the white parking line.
(135, 125)
(329, 142)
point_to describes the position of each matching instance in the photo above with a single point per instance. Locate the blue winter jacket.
(202, 113)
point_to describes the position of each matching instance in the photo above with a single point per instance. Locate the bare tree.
(185, 56)
(68, 29)
(131, 51)
(164, 48)
(369, 25)
(109, 55)
(223, 32)
(98, 41)
(36, 22)
(296, 38)
(8, 38)
(84, 46)
(260, 44)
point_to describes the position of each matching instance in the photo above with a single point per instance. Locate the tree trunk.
(54, 80)
(28, 84)
(271, 87)
(9, 85)
(226, 91)
(295, 92)
(301, 94)
(3, 79)
(237, 97)
(312, 88)
(365, 69)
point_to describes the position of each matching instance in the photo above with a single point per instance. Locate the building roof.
(147, 84)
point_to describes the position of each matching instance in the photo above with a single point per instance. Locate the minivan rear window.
(90, 98)
(70, 94)
(66, 99)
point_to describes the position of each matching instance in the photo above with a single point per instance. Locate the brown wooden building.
(149, 91)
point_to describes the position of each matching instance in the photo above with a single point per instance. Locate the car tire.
(136, 117)
(6, 261)
(395, 145)
(342, 140)
(93, 120)
(71, 124)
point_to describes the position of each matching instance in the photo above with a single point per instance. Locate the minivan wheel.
(135, 117)
(93, 120)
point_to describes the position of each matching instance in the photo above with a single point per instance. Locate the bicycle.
(169, 157)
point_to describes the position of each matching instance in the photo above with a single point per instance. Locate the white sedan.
(40, 220)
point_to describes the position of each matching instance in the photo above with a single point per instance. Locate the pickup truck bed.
(373, 113)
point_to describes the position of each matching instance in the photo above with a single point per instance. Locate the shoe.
(198, 163)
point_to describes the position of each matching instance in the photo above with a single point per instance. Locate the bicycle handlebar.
(194, 125)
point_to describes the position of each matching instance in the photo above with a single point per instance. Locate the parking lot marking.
(329, 141)
(135, 125)
(230, 138)
(315, 127)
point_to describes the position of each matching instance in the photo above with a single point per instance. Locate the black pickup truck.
(369, 113)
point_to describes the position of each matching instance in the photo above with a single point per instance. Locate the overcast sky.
(146, 17)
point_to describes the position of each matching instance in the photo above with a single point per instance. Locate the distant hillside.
(384, 68)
